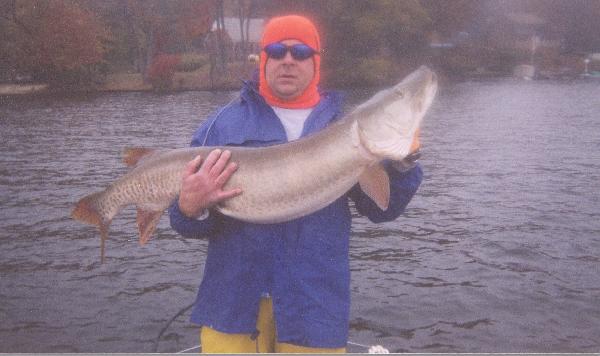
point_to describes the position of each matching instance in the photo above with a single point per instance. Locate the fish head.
(386, 123)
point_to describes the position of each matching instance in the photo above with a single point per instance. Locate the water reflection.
(497, 253)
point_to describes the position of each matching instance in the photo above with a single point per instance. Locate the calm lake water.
(498, 252)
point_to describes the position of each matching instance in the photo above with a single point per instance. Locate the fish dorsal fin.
(147, 221)
(375, 182)
(133, 155)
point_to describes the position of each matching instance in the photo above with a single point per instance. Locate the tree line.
(77, 42)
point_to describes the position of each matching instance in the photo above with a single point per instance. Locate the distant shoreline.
(22, 89)
(39, 89)
(133, 82)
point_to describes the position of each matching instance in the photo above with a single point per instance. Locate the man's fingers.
(226, 174)
(210, 161)
(416, 143)
(218, 167)
(193, 165)
(226, 194)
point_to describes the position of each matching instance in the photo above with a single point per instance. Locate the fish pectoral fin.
(147, 221)
(375, 182)
(133, 155)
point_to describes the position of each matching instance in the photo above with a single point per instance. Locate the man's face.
(288, 77)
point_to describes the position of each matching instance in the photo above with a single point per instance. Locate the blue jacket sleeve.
(183, 225)
(403, 186)
(189, 227)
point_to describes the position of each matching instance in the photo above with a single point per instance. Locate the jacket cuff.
(409, 162)
(403, 166)
(189, 227)
(205, 214)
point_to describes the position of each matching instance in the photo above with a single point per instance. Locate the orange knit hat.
(285, 28)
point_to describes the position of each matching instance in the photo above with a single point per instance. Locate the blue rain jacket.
(302, 264)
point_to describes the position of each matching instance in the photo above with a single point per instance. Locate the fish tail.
(103, 237)
(86, 210)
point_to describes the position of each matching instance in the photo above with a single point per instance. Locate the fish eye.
(400, 94)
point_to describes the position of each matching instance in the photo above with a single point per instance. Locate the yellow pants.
(214, 342)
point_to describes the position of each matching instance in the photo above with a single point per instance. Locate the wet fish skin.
(279, 182)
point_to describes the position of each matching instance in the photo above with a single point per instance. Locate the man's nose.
(288, 57)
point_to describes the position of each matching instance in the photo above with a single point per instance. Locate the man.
(276, 287)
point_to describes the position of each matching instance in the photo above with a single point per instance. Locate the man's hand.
(414, 154)
(203, 181)
(416, 144)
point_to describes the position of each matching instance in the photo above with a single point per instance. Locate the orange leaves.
(162, 70)
(196, 18)
(66, 36)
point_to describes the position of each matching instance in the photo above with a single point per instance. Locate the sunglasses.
(299, 51)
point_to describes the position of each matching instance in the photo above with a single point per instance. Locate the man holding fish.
(284, 286)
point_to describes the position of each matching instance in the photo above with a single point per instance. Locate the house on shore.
(241, 37)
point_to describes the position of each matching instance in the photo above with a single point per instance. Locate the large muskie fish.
(280, 182)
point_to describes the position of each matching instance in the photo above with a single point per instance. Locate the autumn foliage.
(195, 18)
(58, 41)
(72, 37)
(162, 70)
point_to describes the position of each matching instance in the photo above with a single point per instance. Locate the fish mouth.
(419, 83)
(397, 114)
(422, 87)
(428, 90)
